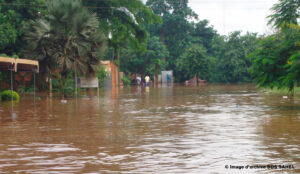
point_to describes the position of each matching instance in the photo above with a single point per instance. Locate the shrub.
(67, 85)
(126, 81)
(21, 89)
(6, 95)
(101, 76)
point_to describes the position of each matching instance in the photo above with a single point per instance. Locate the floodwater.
(154, 130)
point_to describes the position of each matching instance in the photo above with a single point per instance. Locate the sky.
(231, 15)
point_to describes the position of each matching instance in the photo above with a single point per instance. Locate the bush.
(21, 89)
(101, 76)
(6, 95)
(67, 85)
(126, 81)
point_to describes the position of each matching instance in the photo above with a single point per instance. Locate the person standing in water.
(147, 80)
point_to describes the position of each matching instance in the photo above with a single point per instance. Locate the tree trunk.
(156, 74)
(197, 82)
(163, 41)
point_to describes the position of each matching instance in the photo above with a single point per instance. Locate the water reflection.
(139, 130)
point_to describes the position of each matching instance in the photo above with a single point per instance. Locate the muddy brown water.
(154, 130)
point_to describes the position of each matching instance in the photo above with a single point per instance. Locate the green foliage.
(173, 31)
(8, 32)
(6, 96)
(155, 56)
(101, 74)
(267, 64)
(66, 38)
(21, 89)
(13, 18)
(64, 83)
(276, 61)
(203, 34)
(145, 62)
(194, 61)
(126, 80)
(67, 85)
(231, 63)
(55, 84)
(285, 12)
(5, 55)
(124, 21)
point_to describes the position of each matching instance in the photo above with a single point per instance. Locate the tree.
(124, 20)
(231, 57)
(14, 14)
(293, 63)
(154, 55)
(276, 61)
(194, 61)
(8, 33)
(267, 62)
(175, 27)
(66, 39)
(203, 34)
(285, 12)
(148, 62)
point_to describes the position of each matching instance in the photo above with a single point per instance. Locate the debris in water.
(63, 101)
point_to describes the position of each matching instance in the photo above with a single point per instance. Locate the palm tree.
(67, 37)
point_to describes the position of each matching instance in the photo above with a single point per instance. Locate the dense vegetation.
(276, 62)
(192, 47)
(69, 37)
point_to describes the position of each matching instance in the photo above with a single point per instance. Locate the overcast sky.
(230, 15)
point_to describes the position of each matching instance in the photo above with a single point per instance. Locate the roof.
(7, 63)
(27, 65)
(18, 64)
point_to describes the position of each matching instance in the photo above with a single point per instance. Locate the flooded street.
(157, 130)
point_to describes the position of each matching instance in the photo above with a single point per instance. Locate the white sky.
(231, 15)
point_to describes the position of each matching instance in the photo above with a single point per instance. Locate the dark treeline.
(72, 36)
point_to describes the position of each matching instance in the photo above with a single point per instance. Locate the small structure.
(193, 81)
(15, 65)
(112, 78)
(7, 64)
(167, 77)
(87, 82)
(27, 65)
